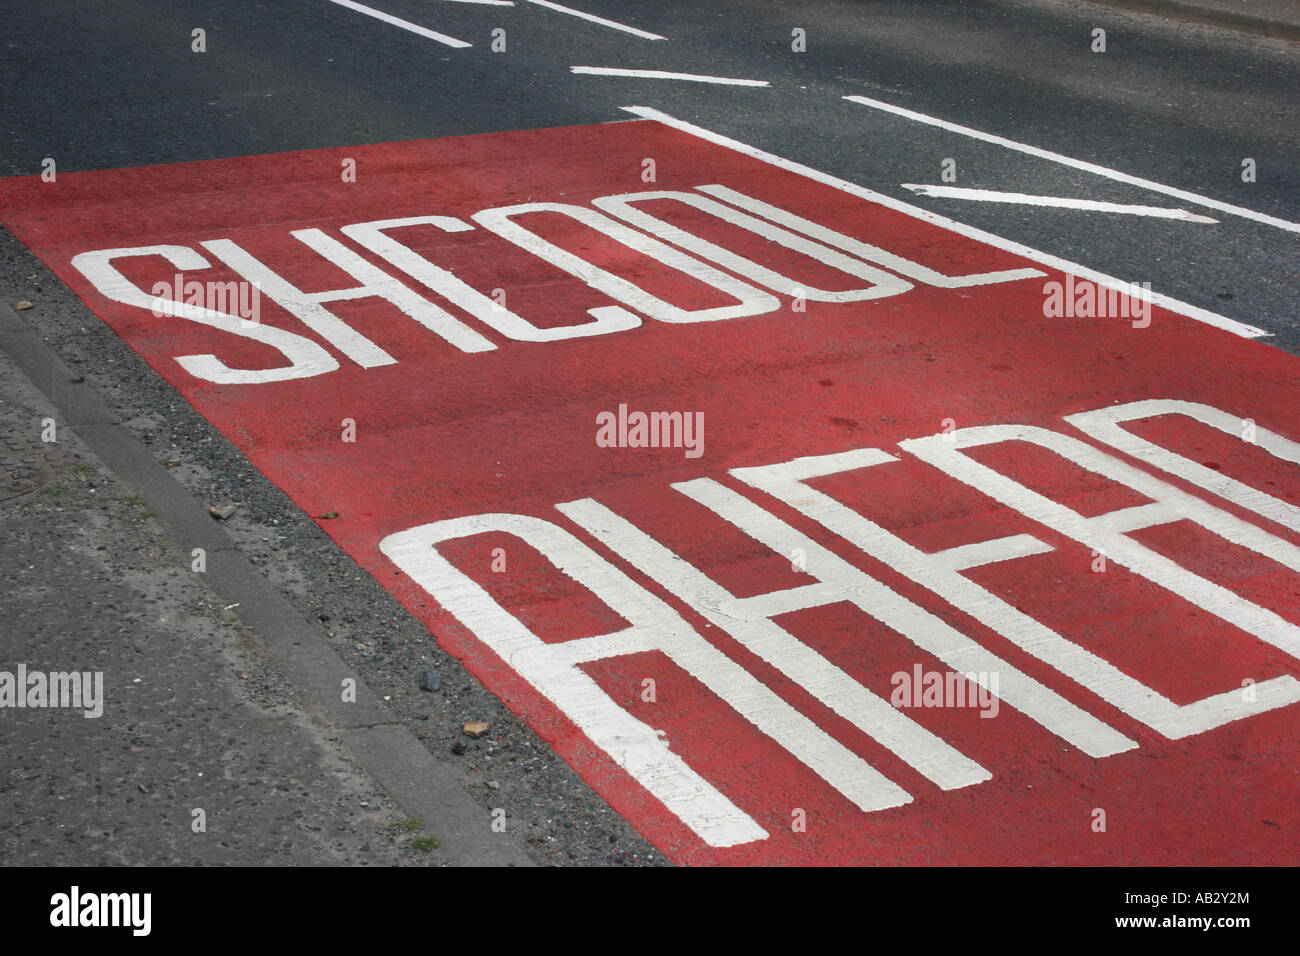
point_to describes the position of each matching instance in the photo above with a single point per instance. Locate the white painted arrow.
(664, 75)
(988, 195)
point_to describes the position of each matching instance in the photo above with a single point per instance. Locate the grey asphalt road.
(107, 85)
(1179, 104)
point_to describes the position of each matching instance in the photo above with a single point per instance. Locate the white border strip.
(1079, 164)
(1055, 202)
(404, 24)
(1055, 262)
(664, 75)
(644, 34)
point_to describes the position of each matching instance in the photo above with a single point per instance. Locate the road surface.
(844, 434)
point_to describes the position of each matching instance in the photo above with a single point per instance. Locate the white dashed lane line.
(592, 18)
(404, 24)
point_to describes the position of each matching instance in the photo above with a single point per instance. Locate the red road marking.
(444, 434)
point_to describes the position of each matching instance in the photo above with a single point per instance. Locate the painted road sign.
(805, 528)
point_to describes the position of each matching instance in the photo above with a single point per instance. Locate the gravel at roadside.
(561, 820)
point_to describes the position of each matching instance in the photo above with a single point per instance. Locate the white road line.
(595, 19)
(664, 75)
(404, 24)
(1079, 164)
(1091, 205)
(1047, 259)
(486, 3)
